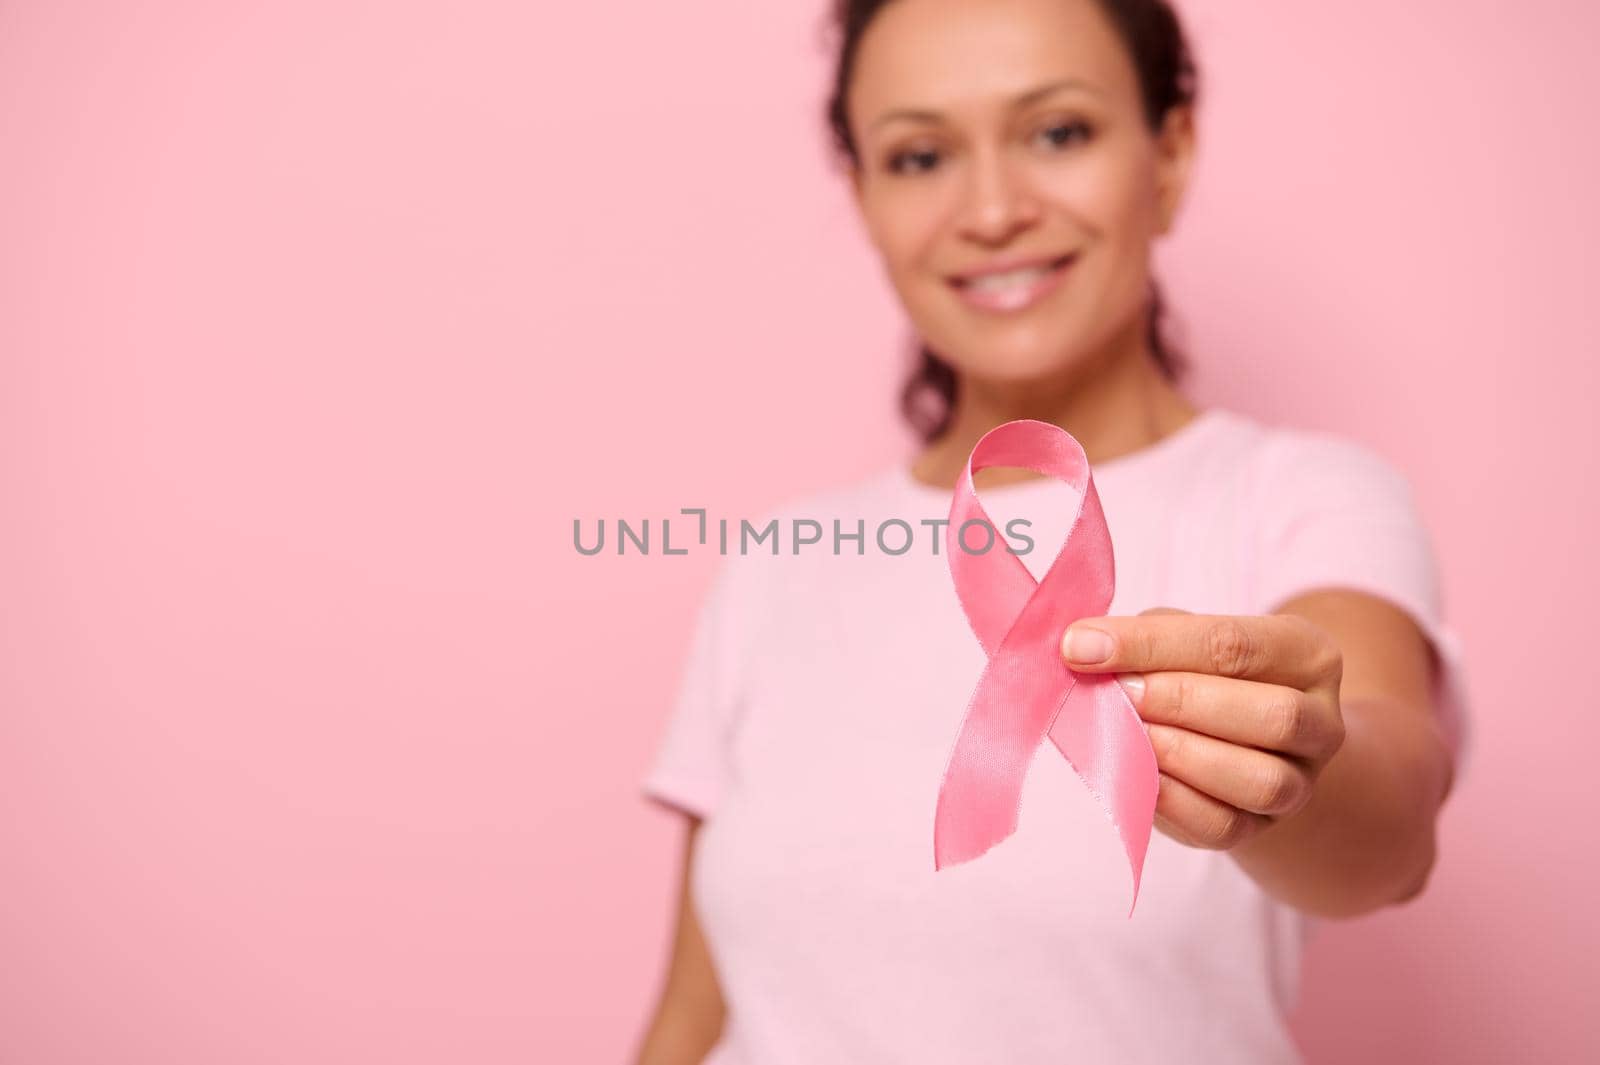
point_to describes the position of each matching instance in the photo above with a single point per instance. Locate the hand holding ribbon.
(1243, 712)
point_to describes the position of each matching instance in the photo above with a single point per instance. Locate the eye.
(1064, 134)
(914, 161)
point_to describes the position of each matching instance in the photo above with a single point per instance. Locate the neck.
(1113, 403)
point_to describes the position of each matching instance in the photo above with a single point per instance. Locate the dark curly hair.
(1160, 51)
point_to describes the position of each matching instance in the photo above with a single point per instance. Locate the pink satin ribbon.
(1026, 691)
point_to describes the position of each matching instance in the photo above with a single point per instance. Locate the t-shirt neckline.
(1169, 446)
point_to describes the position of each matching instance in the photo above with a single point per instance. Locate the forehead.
(956, 55)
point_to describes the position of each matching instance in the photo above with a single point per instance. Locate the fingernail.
(1133, 684)
(1087, 646)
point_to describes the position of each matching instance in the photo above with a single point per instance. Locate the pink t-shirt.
(817, 709)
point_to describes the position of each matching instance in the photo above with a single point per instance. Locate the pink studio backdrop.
(321, 322)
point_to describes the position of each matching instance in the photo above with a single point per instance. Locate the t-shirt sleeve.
(1342, 515)
(691, 762)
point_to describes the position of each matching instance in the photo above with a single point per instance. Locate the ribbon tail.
(1007, 719)
(1104, 740)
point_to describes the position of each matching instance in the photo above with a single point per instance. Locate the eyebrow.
(1021, 100)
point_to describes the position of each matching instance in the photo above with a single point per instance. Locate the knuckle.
(1327, 660)
(1179, 698)
(1229, 648)
(1286, 719)
(1330, 737)
(1135, 646)
(1173, 744)
(1336, 734)
(1330, 661)
(1275, 788)
(1226, 828)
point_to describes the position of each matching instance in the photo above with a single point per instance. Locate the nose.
(998, 202)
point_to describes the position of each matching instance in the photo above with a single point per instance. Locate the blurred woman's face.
(1009, 179)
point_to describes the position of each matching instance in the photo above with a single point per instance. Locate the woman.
(1276, 623)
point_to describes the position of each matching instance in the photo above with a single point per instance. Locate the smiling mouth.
(1012, 290)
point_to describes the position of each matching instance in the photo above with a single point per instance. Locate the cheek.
(1114, 205)
(907, 222)
(1111, 197)
(913, 242)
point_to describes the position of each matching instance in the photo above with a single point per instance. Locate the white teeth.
(1009, 279)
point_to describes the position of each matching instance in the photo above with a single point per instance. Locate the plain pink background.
(321, 322)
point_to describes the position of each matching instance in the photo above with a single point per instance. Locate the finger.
(1196, 819)
(1251, 712)
(1243, 777)
(1274, 648)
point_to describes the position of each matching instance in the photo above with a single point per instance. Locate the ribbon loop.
(1026, 691)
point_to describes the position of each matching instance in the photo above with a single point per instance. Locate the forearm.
(689, 1017)
(1366, 837)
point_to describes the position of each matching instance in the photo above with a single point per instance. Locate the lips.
(1011, 287)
